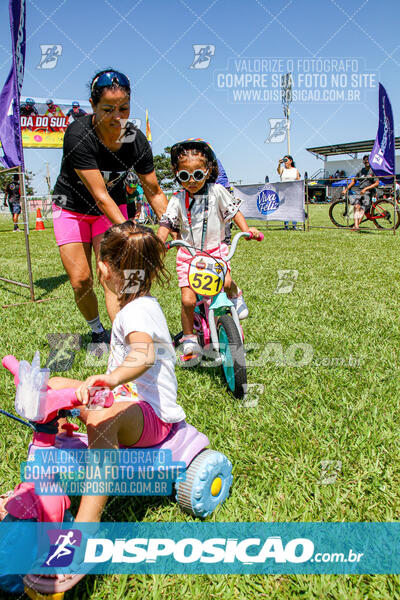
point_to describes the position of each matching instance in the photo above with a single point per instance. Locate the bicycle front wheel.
(385, 215)
(233, 357)
(341, 213)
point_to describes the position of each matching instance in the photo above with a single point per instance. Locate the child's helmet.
(193, 143)
(131, 179)
(196, 144)
(30, 101)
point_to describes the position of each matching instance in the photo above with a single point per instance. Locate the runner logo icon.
(62, 542)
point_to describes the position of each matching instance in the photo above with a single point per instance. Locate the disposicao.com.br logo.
(210, 551)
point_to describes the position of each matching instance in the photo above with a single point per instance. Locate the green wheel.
(233, 357)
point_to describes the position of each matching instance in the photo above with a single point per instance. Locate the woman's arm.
(279, 169)
(94, 182)
(139, 359)
(154, 194)
(298, 175)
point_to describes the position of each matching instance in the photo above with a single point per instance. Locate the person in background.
(53, 110)
(223, 180)
(75, 112)
(28, 109)
(367, 182)
(288, 172)
(134, 195)
(13, 195)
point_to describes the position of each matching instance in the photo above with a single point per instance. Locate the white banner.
(272, 201)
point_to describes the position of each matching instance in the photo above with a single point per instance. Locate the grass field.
(340, 403)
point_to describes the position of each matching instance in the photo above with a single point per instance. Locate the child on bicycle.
(141, 351)
(199, 213)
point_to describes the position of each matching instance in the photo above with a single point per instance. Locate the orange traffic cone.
(39, 221)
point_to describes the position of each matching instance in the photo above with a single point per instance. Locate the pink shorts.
(70, 227)
(183, 259)
(154, 430)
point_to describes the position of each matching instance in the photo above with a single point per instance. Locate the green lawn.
(343, 312)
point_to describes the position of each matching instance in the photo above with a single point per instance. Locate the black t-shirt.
(84, 150)
(366, 177)
(13, 192)
(27, 110)
(76, 114)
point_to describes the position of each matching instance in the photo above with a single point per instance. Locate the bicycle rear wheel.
(385, 215)
(341, 213)
(233, 357)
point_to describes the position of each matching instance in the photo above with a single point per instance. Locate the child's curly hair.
(137, 255)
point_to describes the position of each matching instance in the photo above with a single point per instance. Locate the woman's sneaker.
(240, 305)
(190, 345)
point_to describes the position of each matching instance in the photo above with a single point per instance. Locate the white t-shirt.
(158, 385)
(222, 207)
(288, 174)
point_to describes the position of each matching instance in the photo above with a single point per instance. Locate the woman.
(99, 150)
(288, 172)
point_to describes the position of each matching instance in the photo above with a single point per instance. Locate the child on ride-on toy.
(141, 351)
(199, 212)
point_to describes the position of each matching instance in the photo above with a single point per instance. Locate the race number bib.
(207, 275)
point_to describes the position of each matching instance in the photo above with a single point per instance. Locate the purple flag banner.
(382, 158)
(10, 129)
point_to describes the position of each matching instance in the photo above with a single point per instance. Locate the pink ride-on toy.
(216, 322)
(208, 474)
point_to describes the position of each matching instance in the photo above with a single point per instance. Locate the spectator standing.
(288, 172)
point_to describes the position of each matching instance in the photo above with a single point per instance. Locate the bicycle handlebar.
(181, 243)
(56, 399)
(247, 234)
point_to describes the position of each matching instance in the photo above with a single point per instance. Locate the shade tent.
(350, 148)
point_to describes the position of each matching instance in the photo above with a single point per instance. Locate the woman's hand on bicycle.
(93, 384)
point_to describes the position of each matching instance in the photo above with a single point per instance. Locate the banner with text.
(272, 201)
(200, 548)
(44, 120)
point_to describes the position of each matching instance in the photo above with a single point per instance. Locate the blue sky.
(152, 42)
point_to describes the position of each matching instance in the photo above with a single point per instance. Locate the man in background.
(75, 112)
(13, 196)
(367, 182)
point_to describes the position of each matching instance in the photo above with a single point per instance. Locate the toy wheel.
(232, 353)
(207, 483)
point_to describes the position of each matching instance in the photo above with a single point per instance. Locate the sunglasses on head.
(198, 175)
(107, 79)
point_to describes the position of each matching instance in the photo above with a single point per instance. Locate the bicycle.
(216, 322)
(382, 213)
(204, 483)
